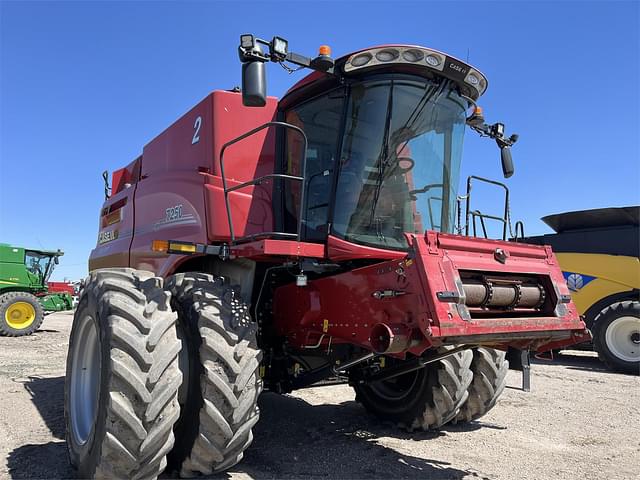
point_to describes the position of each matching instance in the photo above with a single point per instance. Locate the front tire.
(224, 381)
(616, 336)
(20, 314)
(425, 399)
(121, 387)
(490, 370)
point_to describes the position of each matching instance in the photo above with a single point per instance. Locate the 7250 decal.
(173, 213)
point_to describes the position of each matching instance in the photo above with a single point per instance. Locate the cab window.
(320, 119)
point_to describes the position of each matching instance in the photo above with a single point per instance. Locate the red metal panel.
(282, 248)
(171, 200)
(251, 209)
(250, 158)
(340, 250)
(253, 156)
(471, 246)
(348, 305)
(439, 273)
(185, 145)
(343, 306)
(114, 235)
(169, 206)
(125, 176)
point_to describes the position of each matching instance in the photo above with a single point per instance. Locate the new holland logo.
(576, 281)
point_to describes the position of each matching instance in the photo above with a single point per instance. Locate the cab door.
(321, 120)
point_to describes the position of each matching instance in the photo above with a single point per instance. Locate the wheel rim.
(623, 338)
(397, 388)
(85, 380)
(20, 315)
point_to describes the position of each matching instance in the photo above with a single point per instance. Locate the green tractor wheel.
(20, 314)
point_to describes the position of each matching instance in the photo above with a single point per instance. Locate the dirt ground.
(579, 421)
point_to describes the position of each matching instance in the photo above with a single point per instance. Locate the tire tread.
(143, 373)
(230, 383)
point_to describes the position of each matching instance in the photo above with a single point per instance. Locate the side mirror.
(507, 161)
(254, 84)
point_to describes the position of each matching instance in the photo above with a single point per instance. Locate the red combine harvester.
(259, 243)
(61, 287)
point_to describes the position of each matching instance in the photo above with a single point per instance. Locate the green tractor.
(24, 292)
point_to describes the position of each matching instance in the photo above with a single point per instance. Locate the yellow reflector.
(113, 217)
(182, 247)
(160, 246)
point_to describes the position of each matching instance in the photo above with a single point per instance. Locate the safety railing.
(472, 216)
(259, 180)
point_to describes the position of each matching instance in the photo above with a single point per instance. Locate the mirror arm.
(495, 131)
(255, 54)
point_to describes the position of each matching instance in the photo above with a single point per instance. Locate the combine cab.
(25, 295)
(277, 243)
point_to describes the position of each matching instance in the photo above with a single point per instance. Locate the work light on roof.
(449, 67)
(413, 55)
(247, 41)
(387, 55)
(279, 47)
(362, 59)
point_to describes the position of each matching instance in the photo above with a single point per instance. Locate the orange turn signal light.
(324, 50)
(477, 111)
(160, 246)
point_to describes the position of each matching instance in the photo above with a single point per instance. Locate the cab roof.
(462, 71)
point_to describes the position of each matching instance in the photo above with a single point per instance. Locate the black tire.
(490, 370)
(216, 427)
(10, 298)
(618, 351)
(425, 399)
(136, 402)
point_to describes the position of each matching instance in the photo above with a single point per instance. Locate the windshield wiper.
(383, 157)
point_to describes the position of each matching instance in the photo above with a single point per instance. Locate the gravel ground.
(580, 421)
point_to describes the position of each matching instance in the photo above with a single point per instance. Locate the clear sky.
(84, 85)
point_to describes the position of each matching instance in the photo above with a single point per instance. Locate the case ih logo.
(108, 236)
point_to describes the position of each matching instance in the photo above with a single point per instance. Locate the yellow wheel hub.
(20, 315)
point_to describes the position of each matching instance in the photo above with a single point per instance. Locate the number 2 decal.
(196, 134)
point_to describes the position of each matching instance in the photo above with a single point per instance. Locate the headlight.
(413, 55)
(362, 59)
(387, 55)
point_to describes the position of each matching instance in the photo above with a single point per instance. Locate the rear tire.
(489, 369)
(216, 427)
(425, 399)
(20, 314)
(616, 336)
(121, 387)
